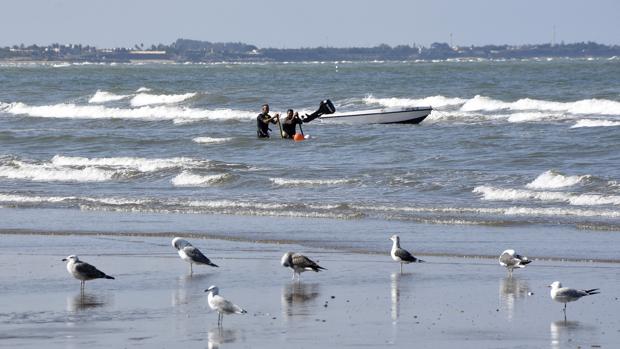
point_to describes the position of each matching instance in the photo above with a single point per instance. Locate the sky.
(294, 24)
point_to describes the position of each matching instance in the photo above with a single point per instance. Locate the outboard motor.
(326, 107)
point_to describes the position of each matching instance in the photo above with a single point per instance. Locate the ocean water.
(526, 147)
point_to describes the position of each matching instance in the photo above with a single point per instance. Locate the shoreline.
(241, 239)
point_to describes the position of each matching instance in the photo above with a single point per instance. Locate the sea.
(516, 153)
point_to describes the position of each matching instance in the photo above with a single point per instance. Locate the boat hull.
(380, 116)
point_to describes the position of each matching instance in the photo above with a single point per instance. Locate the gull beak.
(64, 259)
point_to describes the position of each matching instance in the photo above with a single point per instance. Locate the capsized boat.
(411, 115)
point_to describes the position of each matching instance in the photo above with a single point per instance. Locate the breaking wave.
(586, 106)
(187, 179)
(48, 172)
(73, 111)
(308, 182)
(103, 97)
(144, 99)
(435, 101)
(554, 180)
(595, 123)
(212, 140)
(499, 194)
(139, 164)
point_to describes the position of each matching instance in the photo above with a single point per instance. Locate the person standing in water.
(262, 122)
(290, 123)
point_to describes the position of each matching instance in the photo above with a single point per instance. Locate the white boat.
(413, 115)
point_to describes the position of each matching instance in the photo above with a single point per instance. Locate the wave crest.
(144, 99)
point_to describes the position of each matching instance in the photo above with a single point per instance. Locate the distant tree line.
(184, 50)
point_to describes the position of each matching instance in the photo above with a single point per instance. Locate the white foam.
(595, 123)
(187, 179)
(308, 182)
(143, 89)
(46, 172)
(144, 99)
(103, 96)
(140, 164)
(73, 111)
(212, 140)
(554, 180)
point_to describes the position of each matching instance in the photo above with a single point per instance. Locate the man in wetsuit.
(262, 122)
(290, 123)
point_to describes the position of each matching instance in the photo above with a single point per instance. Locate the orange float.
(298, 137)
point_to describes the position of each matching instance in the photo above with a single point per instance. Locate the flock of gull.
(300, 263)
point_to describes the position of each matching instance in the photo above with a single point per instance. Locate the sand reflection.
(297, 298)
(510, 290)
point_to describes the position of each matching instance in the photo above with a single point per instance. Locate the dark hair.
(290, 110)
(265, 105)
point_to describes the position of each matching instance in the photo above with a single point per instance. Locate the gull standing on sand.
(299, 263)
(400, 254)
(83, 271)
(221, 305)
(565, 294)
(190, 254)
(511, 260)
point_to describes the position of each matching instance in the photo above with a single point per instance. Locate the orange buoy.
(298, 137)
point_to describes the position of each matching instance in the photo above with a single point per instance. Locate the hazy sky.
(294, 23)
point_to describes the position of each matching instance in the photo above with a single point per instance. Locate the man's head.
(265, 108)
(289, 113)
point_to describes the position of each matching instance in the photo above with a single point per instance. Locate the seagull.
(565, 294)
(299, 263)
(401, 255)
(190, 254)
(83, 271)
(221, 304)
(511, 260)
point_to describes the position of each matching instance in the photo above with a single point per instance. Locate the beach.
(360, 301)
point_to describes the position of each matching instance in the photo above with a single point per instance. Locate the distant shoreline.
(183, 50)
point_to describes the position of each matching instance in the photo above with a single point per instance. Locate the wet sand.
(360, 301)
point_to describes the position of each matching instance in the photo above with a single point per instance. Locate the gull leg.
(401, 268)
(564, 312)
(293, 275)
(191, 269)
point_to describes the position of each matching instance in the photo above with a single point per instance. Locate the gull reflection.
(511, 289)
(219, 336)
(297, 297)
(559, 329)
(84, 301)
(395, 279)
(395, 295)
(189, 287)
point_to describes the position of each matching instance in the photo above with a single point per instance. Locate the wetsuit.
(262, 125)
(289, 125)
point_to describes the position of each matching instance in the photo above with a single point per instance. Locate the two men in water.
(287, 127)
